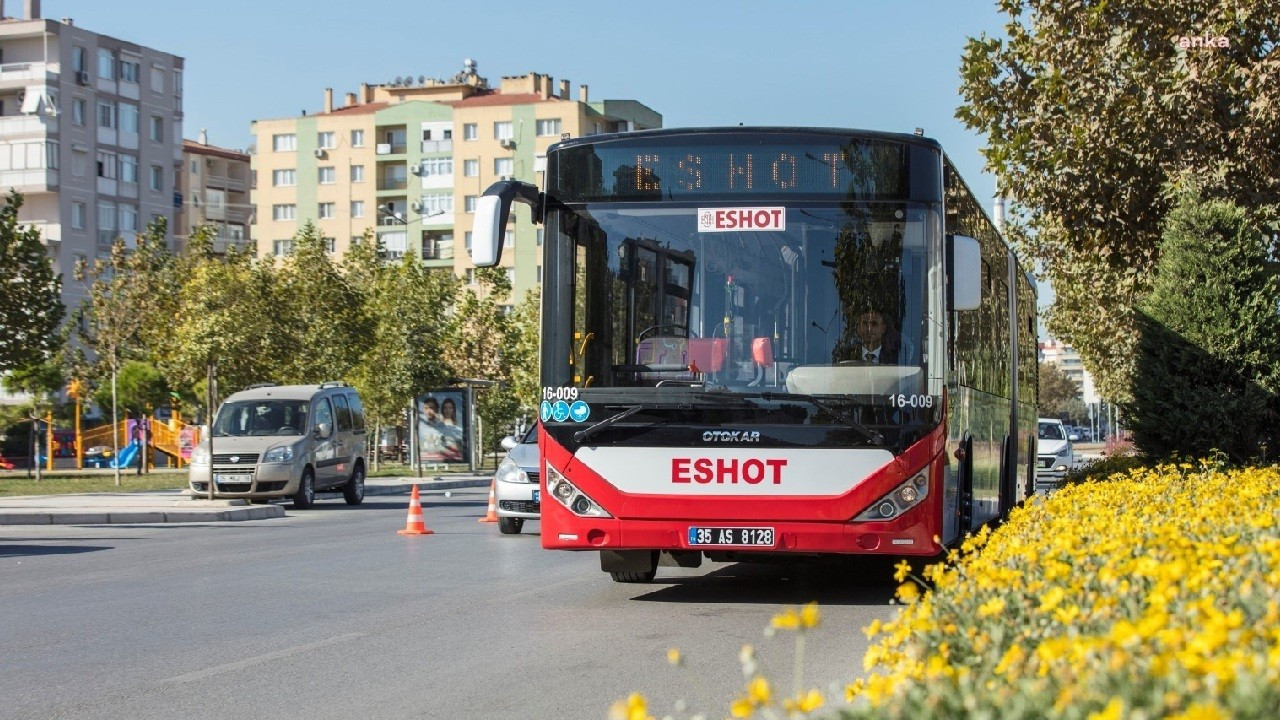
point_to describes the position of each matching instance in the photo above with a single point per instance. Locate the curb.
(222, 513)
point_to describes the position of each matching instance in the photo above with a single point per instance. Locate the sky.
(870, 64)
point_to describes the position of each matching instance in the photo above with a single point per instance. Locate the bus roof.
(906, 138)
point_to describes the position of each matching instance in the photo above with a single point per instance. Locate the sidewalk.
(175, 506)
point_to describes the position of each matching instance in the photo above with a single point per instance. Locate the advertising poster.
(443, 426)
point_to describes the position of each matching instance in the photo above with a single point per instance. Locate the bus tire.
(634, 577)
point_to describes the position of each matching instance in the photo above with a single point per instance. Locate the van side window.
(357, 412)
(344, 413)
(324, 413)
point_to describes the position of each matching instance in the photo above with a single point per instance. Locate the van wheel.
(353, 491)
(510, 525)
(306, 495)
(634, 577)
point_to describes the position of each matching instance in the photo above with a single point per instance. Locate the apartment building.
(90, 134)
(215, 192)
(408, 160)
(1068, 360)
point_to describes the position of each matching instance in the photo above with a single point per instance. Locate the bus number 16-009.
(911, 401)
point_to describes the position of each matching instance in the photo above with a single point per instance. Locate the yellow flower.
(1112, 711)
(901, 570)
(673, 656)
(786, 620)
(1050, 599)
(1201, 711)
(634, 708)
(994, 606)
(741, 708)
(804, 703)
(809, 615)
(908, 592)
(758, 690)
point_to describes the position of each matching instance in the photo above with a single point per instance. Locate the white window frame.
(470, 131)
(357, 138)
(469, 203)
(471, 168)
(281, 248)
(504, 166)
(111, 118)
(357, 208)
(284, 212)
(284, 142)
(327, 175)
(327, 210)
(77, 216)
(106, 64)
(357, 173)
(548, 127)
(156, 178)
(326, 140)
(155, 128)
(284, 177)
(504, 130)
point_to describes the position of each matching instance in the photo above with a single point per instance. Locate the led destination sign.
(667, 168)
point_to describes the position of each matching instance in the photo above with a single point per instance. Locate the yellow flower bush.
(1153, 594)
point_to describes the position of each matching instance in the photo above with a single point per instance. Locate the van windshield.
(1051, 431)
(262, 417)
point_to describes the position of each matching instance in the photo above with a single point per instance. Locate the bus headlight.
(568, 495)
(906, 495)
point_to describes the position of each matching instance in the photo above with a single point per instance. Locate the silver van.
(285, 441)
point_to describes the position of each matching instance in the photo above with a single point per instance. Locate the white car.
(1054, 454)
(517, 487)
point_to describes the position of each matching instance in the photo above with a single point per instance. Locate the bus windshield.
(809, 297)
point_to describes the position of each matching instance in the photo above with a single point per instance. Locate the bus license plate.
(751, 537)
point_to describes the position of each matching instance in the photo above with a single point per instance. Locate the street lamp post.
(398, 217)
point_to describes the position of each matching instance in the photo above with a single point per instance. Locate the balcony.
(437, 146)
(392, 183)
(19, 126)
(29, 181)
(22, 74)
(49, 232)
(391, 148)
(437, 249)
(225, 182)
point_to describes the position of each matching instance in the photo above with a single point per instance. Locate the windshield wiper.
(590, 430)
(870, 435)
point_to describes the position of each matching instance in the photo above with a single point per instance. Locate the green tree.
(30, 306)
(41, 381)
(323, 314)
(227, 314)
(1059, 396)
(407, 306)
(480, 346)
(523, 359)
(1091, 109)
(1208, 366)
(140, 389)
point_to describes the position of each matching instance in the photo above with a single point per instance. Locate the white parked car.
(517, 488)
(1054, 453)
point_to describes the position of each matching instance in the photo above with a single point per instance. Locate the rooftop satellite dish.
(397, 81)
(469, 64)
(422, 79)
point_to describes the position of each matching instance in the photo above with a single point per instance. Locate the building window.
(77, 111)
(503, 131)
(471, 276)
(157, 128)
(284, 178)
(177, 82)
(284, 212)
(106, 222)
(77, 59)
(286, 142)
(437, 166)
(548, 127)
(509, 238)
(331, 245)
(106, 64)
(539, 237)
(129, 118)
(280, 248)
(539, 274)
(511, 278)
(357, 173)
(357, 208)
(157, 178)
(466, 238)
(77, 215)
(357, 138)
(195, 166)
(157, 79)
(128, 220)
(437, 204)
(130, 71)
(106, 113)
(503, 166)
(326, 141)
(471, 168)
(107, 165)
(469, 203)
(470, 131)
(327, 210)
(328, 176)
(128, 168)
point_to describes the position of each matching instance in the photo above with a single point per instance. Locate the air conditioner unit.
(507, 143)
(418, 170)
(383, 149)
(82, 77)
(416, 207)
(321, 153)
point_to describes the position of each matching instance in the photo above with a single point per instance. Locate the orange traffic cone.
(492, 515)
(414, 525)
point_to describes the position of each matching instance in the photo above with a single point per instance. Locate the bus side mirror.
(491, 214)
(965, 272)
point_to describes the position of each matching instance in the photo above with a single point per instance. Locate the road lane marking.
(259, 659)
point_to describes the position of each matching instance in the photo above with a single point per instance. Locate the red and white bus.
(762, 341)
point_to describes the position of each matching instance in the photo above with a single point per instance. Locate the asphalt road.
(329, 613)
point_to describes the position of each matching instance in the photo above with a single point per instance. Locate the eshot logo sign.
(745, 219)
